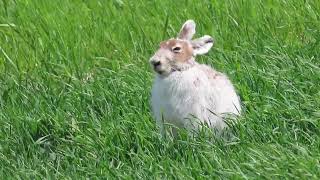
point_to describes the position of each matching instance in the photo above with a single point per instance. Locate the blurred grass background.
(75, 85)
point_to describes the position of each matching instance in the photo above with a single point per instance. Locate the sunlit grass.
(75, 86)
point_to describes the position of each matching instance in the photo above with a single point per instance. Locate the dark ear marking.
(202, 45)
(210, 40)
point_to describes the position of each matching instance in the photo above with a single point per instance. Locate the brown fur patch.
(186, 49)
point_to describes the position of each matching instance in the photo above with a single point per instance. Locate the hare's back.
(227, 100)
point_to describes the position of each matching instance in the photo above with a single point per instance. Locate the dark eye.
(176, 49)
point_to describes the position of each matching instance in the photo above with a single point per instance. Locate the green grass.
(75, 89)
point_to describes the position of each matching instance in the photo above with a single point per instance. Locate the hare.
(185, 93)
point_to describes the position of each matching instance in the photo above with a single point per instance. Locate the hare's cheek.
(166, 61)
(182, 57)
(166, 66)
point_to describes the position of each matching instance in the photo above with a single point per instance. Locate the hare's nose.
(155, 63)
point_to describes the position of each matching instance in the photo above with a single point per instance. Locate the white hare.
(185, 93)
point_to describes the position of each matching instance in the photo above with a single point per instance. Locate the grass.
(75, 89)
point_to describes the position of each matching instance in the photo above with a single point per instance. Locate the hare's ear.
(202, 45)
(188, 30)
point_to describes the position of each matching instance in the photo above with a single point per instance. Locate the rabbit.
(188, 94)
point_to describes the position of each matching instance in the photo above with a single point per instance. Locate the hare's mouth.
(166, 72)
(160, 72)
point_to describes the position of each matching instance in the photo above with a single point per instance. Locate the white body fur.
(199, 92)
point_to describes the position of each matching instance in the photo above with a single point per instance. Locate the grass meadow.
(75, 89)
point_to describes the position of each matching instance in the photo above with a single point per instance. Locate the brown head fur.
(185, 53)
(178, 54)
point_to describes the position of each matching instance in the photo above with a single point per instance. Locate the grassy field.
(75, 89)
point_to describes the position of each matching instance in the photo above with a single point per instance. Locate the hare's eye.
(176, 49)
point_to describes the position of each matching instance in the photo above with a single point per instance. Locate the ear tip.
(208, 39)
(190, 22)
(207, 36)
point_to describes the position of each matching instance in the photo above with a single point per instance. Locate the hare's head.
(178, 54)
